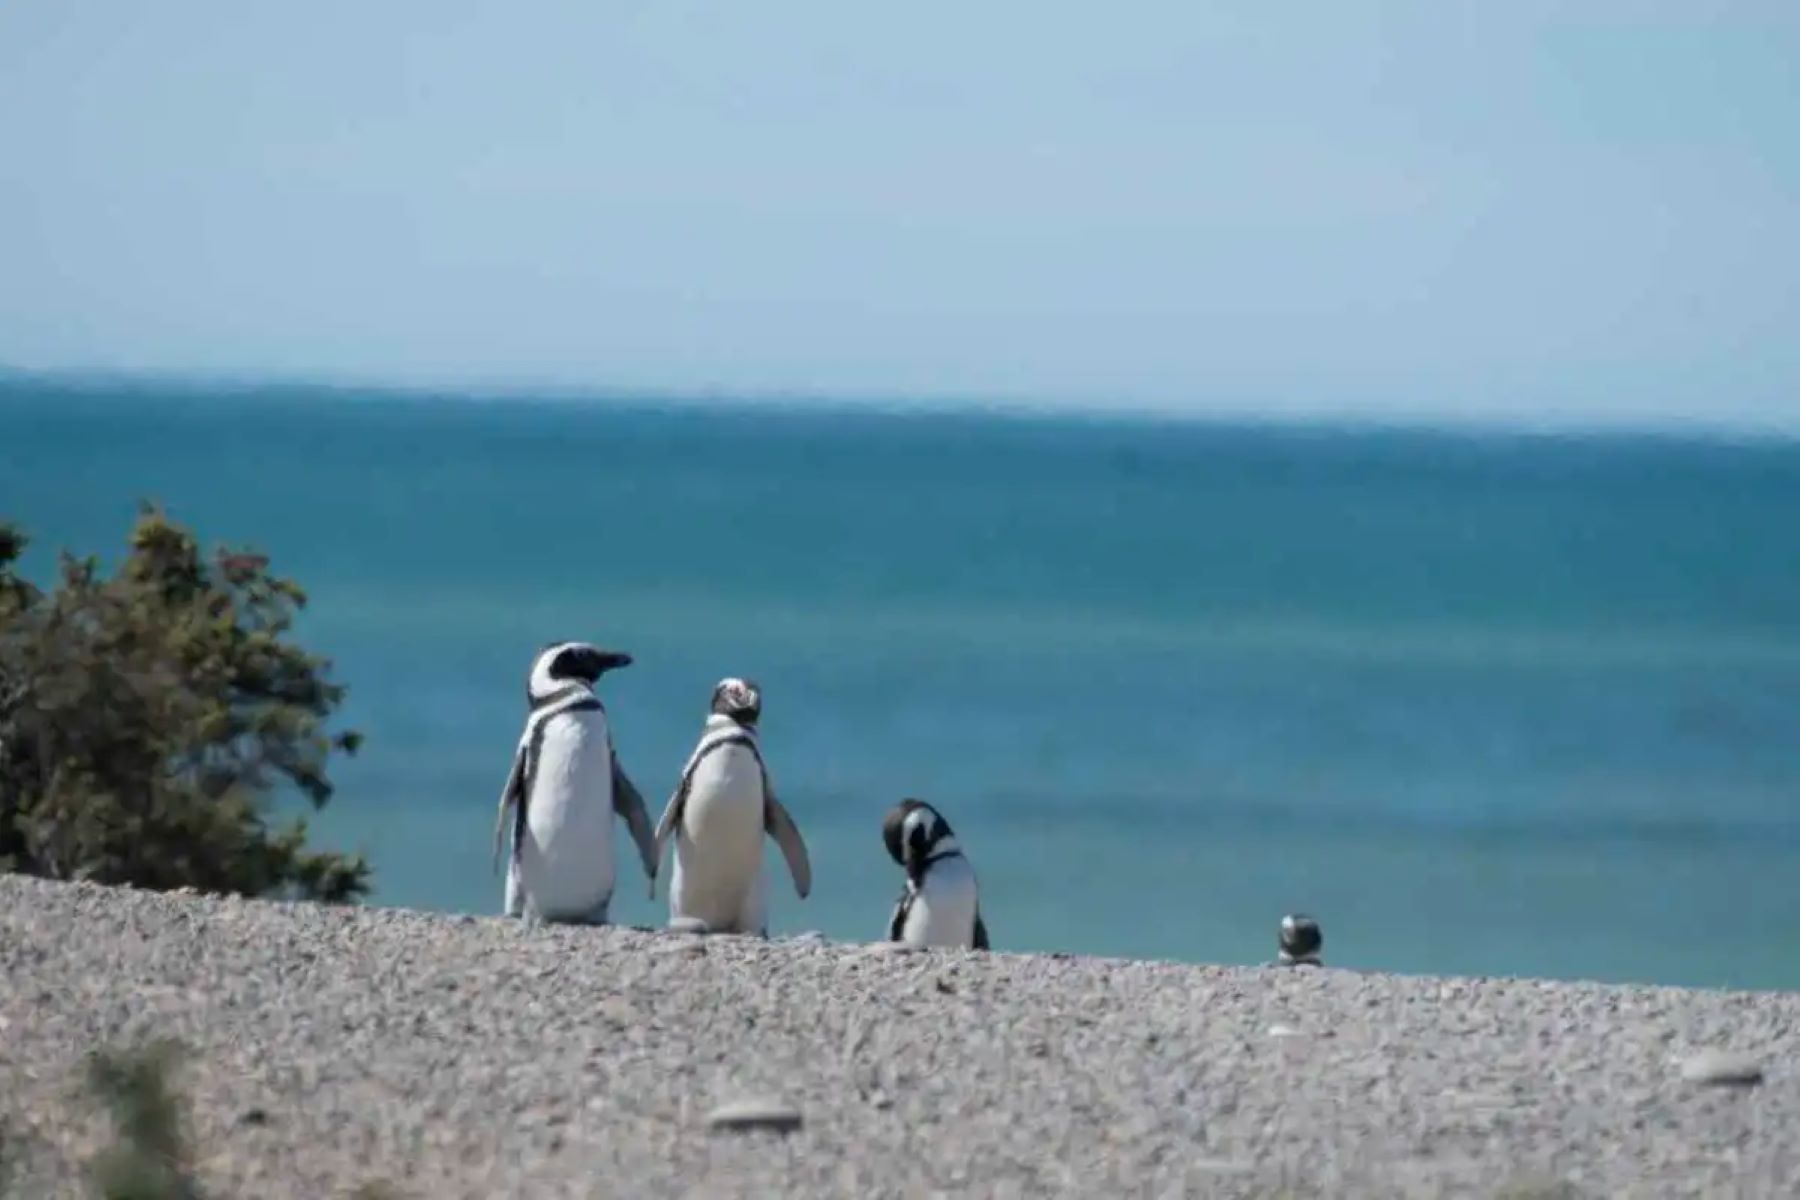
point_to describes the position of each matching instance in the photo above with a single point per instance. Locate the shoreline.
(440, 1055)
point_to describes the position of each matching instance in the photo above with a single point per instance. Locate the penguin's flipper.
(781, 827)
(665, 828)
(509, 794)
(981, 937)
(628, 802)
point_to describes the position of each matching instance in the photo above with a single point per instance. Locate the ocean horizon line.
(747, 402)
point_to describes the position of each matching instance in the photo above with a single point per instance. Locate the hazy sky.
(1586, 208)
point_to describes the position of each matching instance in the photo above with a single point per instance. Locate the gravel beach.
(329, 1048)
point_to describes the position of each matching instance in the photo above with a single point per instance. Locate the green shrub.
(145, 719)
(150, 1159)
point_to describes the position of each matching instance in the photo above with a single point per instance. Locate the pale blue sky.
(1583, 210)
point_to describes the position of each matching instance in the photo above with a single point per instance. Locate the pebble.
(620, 1012)
(759, 1112)
(886, 949)
(1221, 1166)
(1721, 1067)
(677, 949)
(688, 925)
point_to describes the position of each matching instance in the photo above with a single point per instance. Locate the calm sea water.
(1485, 705)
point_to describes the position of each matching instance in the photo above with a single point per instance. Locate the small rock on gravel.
(678, 948)
(1721, 1067)
(884, 949)
(761, 1112)
(1221, 1166)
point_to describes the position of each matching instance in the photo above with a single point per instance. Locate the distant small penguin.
(563, 789)
(722, 806)
(940, 904)
(1300, 942)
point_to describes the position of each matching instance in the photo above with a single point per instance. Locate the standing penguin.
(718, 813)
(564, 787)
(1300, 942)
(939, 905)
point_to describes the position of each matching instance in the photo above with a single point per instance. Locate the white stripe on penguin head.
(933, 835)
(540, 683)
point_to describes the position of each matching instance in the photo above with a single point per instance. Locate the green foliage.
(375, 1190)
(146, 717)
(1539, 1189)
(150, 1159)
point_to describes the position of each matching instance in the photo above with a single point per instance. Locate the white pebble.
(760, 1112)
(1721, 1066)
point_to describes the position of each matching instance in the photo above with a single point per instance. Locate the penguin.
(564, 787)
(1300, 942)
(939, 905)
(722, 806)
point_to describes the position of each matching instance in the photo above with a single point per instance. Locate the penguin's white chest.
(566, 857)
(942, 912)
(718, 851)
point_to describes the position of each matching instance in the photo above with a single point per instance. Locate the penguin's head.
(559, 664)
(739, 699)
(912, 830)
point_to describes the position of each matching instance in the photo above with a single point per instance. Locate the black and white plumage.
(940, 902)
(1300, 942)
(564, 787)
(720, 810)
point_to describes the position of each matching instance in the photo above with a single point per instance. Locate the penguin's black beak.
(595, 663)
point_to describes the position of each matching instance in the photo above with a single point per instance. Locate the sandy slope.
(455, 1056)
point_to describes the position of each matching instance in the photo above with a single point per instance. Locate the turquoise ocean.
(1487, 704)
